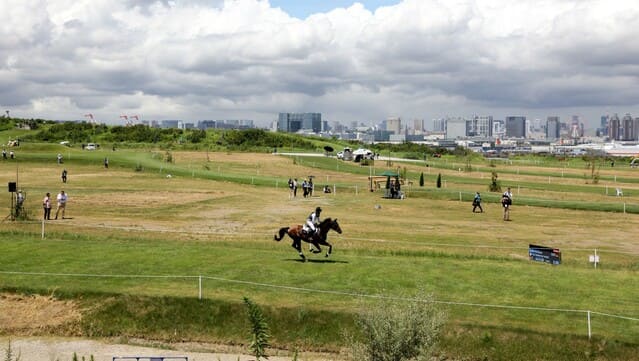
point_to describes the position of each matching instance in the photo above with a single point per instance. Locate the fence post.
(589, 328)
(460, 197)
(624, 207)
(42, 228)
(200, 287)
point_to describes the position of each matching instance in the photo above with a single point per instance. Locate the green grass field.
(136, 241)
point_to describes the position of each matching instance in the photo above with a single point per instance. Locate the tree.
(259, 330)
(397, 330)
(439, 180)
(494, 184)
(421, 179)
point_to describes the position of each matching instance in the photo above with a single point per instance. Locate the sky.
(351, 61)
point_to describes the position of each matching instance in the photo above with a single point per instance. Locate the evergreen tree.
(439, 180)
(421, 179)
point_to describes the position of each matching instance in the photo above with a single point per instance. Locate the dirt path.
(62, 349)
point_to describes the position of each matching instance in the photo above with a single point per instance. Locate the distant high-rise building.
(481, 126)
(553, 128)
(167, 124)
(293, 122)
(614, 125)
(628, 128)
(439, 125)
(455, 128)
(603, 126)
(394, 125)
(516, 127)
(418, 125)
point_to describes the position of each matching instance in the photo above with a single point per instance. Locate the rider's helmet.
(318, 210)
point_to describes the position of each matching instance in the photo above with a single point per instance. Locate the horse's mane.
(326, 220)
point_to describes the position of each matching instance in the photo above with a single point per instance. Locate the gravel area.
(62, 349)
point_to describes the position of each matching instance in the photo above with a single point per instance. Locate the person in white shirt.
(46, 204)
(62, 204)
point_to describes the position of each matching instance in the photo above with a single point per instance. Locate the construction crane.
(90, 116)
(134, 117)
(126, 119)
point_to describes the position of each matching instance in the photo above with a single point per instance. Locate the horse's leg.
(330, 248)
(297, 244)
(317, 249)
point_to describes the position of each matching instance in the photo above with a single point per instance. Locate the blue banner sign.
(544, 254)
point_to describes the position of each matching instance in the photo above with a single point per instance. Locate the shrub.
(9, 354)
(259, 330)
(439, 180)
(421, 179)
(494, 185)
(396, 330)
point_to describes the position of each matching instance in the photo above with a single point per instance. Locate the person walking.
(477, 203)
(46, 205)
(64, 176)
(506, 202)
(62, 204)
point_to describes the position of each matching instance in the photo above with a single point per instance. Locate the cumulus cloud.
(197, 59)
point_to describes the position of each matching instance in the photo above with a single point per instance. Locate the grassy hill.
(136, 242)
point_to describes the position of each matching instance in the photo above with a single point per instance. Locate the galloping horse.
(296, 233)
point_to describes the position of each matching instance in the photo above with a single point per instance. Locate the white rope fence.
(332, 292)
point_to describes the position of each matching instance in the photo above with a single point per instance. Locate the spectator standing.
(12, 154)
(59, 158)
(295, 187)
(62, 204)
(106, 163)
(20, 197)
(46, 205)
(290, 188)
(305, 188)
(64, 176)
(4, 154)
(506, 202)
(477, 203)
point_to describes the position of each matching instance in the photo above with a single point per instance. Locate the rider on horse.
(312, 222)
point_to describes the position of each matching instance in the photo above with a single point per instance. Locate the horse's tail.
(282, 231)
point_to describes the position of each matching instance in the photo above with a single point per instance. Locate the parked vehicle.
(346, 154)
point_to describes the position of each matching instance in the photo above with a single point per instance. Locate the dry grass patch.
(28, 315)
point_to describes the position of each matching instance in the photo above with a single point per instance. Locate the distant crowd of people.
(307, 187)
(12, 154)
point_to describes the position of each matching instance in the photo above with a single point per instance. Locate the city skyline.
(351, 61)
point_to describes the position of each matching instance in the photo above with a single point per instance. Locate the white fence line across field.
(588, 313)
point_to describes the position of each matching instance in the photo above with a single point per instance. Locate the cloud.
(201, 59)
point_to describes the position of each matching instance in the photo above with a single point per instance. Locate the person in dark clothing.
(477, 203)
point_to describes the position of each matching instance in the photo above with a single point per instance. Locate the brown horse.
(317, 239)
